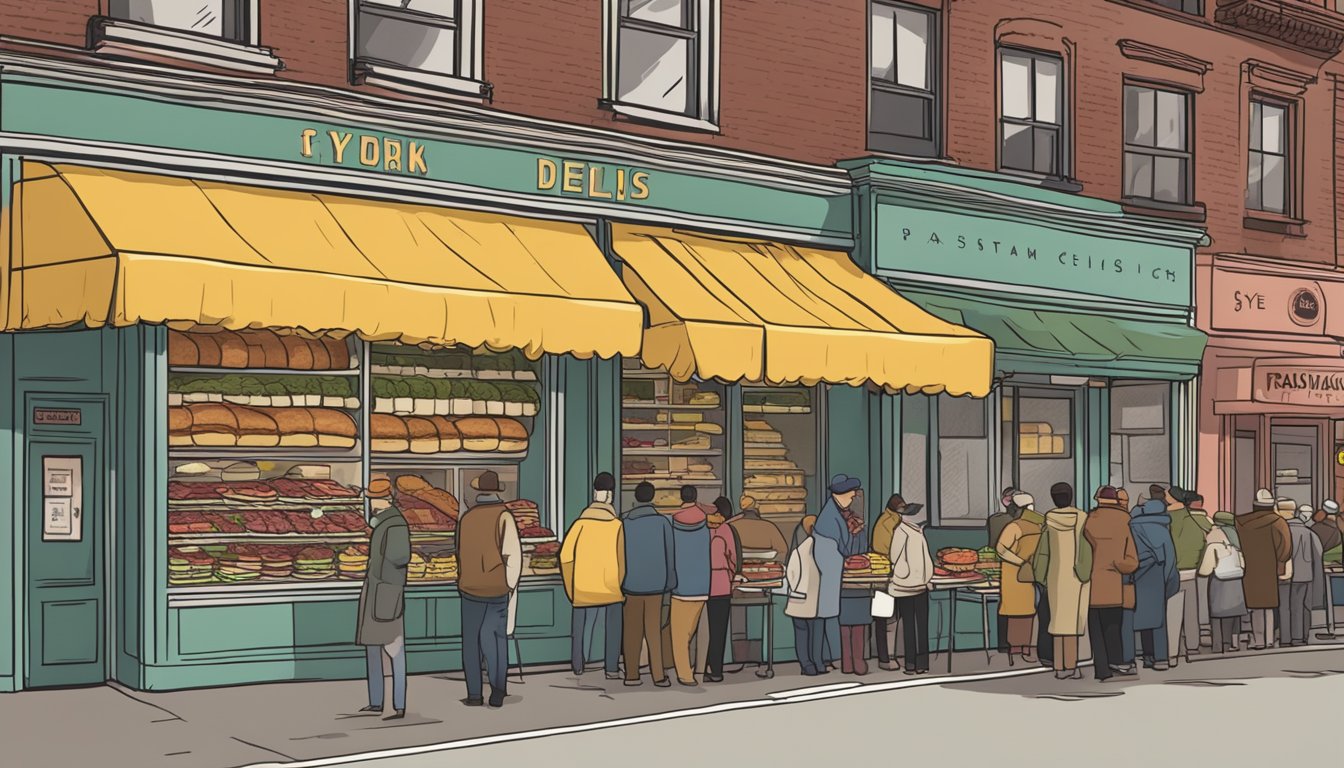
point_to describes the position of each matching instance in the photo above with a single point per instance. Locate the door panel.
(65, 606)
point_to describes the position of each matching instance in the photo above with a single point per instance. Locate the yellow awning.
(752, 310)
(103, 247)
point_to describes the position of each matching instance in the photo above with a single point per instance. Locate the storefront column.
(848, 421)
(11, 577)
(578, 421)
(1096, 466)
(1184, 433)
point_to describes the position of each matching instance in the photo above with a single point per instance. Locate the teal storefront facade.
(102, 606)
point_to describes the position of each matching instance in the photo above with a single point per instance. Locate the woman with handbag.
(1017, 599)
(1223, 565)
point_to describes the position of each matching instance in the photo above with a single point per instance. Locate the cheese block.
(768, 464)
(682, 417)
(696, 443)
(705, 398)
(761, 436)
(757, 425)
(709, 428)
(771, 452)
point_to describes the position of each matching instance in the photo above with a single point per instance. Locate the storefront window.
(915, 449)
(779, 449)
(964, 461)
(1294, 452)
(1044, 442)
(1140, 437)
(672, 435)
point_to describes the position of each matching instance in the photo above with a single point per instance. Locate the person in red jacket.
(724, 559)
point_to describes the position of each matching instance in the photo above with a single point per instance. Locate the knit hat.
(604, 482)
(1263, 499)
(1024, 501)
(1107, 493)
(1330, 507)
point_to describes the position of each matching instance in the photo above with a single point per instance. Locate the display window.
(915, 449)
(1140, 437)
(779, 449)
(1043, 448)
(672, 435)
(964, 461)
(1294, 452)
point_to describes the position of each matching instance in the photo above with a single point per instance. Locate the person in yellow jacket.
(592, 563)
(886, 525)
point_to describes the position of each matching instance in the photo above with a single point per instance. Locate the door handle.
(76, 512)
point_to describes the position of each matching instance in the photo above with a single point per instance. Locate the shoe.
(911, 671)
(633, 683)
(398, 714)
(1161, 666)
(690, 684)
(474, 702)
(613, 675)
(497, 699)
(372, 708)
(887, 666)
(713, 678)
(664, 683)
(1124, 672)
(921, 671)
(1077, 675)
(1063, 675)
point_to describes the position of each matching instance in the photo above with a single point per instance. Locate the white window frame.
(707, 68)
(470, 78)
(130, 39)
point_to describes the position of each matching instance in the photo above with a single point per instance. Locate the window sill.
(114, 37)
(1191, 212)
(420, 83)
(1264, 221)
(658, 117)
(1045, 182)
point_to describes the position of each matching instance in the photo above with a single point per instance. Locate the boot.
(857, 642)
(846, 650)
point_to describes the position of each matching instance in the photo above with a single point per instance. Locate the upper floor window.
(435, 43)
(1193, 7)
(903, 78)
(1269, 157)
(224, 19)
(1158, 158)
(661, 60)
(1031, 113)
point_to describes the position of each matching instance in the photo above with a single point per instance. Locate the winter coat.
(1000, 520)
(1188, 529)
(911, 563)
(1156, 579)
(1064, 559)
(832, 544)
(382, 599)
(1266, 546)
(1227, 598)
(723, 561)
(802, 578)
(1016, 547)
(592, 559)
(1114, 558)
(883, 529)
(1308, 562)
(1328, 533)
(650, 562)
(690, 537)
(757, 535)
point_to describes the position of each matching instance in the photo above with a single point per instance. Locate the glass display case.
(779, 450)
(672, 435)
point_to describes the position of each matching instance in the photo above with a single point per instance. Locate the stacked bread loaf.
(257, 349)
(227, 425)
(771, 477)
(440, 434)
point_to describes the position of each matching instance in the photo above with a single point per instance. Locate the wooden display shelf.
(273, 453)
(673, 484)
(198, 539)
(261, 371)
(671, 452)
(434, 460)
(668, 407)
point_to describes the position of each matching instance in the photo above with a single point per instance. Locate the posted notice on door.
(62, 498)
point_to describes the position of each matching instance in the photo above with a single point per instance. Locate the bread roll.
(479, 434)
(318, 351)
(207, 350)
(233, 352)
(296, 427)
(335, 429)
(412, 483)
(440, 499)
(337, 352)
(423, 435)
(264, 349)
(182, 350)
(256, 428)
(388, 434)
(179, 426)
(709, 428)
(298, 353)
(450, 440)
(513, 437)
(213, 424)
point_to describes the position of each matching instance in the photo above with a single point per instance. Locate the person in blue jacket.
(837, 535)
(1156, 580)
(690, 593)
(650, 574)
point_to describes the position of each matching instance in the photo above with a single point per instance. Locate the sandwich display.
(265, 349)
(546, 557)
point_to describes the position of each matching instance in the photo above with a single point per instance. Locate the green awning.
(1063, 342)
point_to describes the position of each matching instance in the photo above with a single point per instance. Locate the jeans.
(914, 613)
(1294, 613)
(719, 609)
(1104, 627)
(832, 632)
(583, 628)
(642, 620)
(880, 639)
(374, 654)
(808, 638)
(1189, 612)
(1156, 643)
(485, 627)
(1045, 645)
(1127, 652)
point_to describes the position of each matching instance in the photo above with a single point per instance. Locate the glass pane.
(1046, 151)
(1139, 116)
(914, 448)
(1170, 120)
(1169, 179)
(963, 454)
(912, 49)
(1274, 128)
(1253, 181)
(204, 17)
(446, 8)
(673, 13)
(1138, 175)
(405, 43)
(1255, 125)
(1045, 445)
(1017, 147)
(1047, 91)
(1274, 184)
(901, 115)
(1016, 86)
(654, 70)
(882, 56)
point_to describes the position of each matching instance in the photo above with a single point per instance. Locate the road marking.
(789, 697)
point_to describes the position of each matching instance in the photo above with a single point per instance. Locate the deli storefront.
(217, 342)
(1272, 415)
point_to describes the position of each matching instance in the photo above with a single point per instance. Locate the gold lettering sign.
(366, 150)
(594, 181)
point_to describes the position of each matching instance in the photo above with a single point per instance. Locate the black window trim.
(904, 145)
(1188, 154)
(1063, 145)
(1289, 154)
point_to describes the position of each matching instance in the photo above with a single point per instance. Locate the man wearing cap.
(592, 565)
(996, 523)
(1016, 548)
(489, 562)
(382, 599)
(883, 530)
(1305, 589)
(1188, 529)
(1114, 561)
(834, 540)
(1266, 546)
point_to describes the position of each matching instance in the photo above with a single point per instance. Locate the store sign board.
(1312, 381)
(63, 417)
(976, 246)
(1267, 303)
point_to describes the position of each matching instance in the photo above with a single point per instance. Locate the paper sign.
(59, 482)
(62, 498)
(59, 517)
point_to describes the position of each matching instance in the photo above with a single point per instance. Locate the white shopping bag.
(884, 605)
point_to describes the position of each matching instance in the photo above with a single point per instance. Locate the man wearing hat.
(382, 599)
(1325, 524)
(996, 523)
(1114, 561)
(1266, 546)
(834, 538)
(489, 562)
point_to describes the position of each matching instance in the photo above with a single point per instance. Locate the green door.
(66, 514)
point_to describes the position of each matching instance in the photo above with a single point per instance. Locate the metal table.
(761, 596)
(981, 593)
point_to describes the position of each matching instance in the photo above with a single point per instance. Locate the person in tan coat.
(1266, 546)
(1114, 559)
(1065, 559)
(1017, 592)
